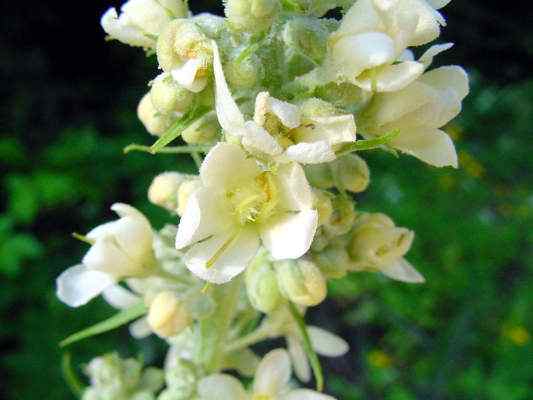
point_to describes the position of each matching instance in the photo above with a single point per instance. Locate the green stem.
(70, 376)
(261, 333)
(186, 149)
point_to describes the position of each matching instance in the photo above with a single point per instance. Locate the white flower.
(418, 111)
(236, 207)
(278, 129)
(271, 383)
(367, 48)
(122, 248)
(141, 21)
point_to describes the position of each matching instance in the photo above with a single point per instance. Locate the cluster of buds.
(279, 98)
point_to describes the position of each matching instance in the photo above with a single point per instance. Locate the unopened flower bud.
(319, 175)
(324, 206)
(333, 260)
(302, 282)
(164, 189)
(352, 172)
(251, 15)
(376, 242)
(204, 130)
(154, 122)
(243, 74)
(167, 315)
(343, 217)
(184, 192)
(168, 97)
(261, 284)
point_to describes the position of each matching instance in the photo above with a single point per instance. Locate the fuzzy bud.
(203, 130)
(244, 74)
(167, 96)
(343, 217)
(324, 206)
(167, 315)
(377, 242)
(164, 189)
(251, 15)
(333, 261)
(184, 192)
(301, 282)
(352, 172)
(154, 122)
(261, 284)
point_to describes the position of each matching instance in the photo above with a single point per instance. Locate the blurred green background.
(68, 108)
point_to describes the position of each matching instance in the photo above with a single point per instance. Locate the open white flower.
(271, 383)
(120, 249)
(367, 48)
(141, 21)
(279, 130)
(418, 111)
(237, 206)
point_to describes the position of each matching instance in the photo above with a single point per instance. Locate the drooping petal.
(119, 29)
(298, 358)
(148, 14)
(223, 256)
(204, 216)
(228, 113)
(221, 387)
(295, 193)
(448, 77)
(257, 138)
(307, 394)
(186, 75)
(289, 236)
(326, 343)
(402, 270)
(432, 52)
(119, 297)
(237, 167)
(429, 21)
(78, 285)
(432, 146)
(140, 328)
(288, 114)
(334, 130)
(107, 257)
(273, 373)
(310, 153)
(355, 54)
(391, 78)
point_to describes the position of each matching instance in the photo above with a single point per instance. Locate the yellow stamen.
(222, 249)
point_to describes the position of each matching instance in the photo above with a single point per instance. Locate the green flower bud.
(244, 74)
(376, 242)
(112, 377)
(251, 16)
(352, 172)
(154, 122)
(261, 284)
(168, 316)
(301, 282)
(319, 175)
(203, 130)
(333, 260)
(163, 190)
(343, 217)
(181, 378)
(324, 206)
(167, 96)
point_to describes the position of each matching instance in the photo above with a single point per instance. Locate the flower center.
(255, 201)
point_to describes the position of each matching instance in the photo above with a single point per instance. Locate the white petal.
(354, 54)
(289, 236)
(407, 55)
(449, 77)
(299, 360)
(432, 146)
(403, 271)
(119, 297)
(429, 21)
(273, 373)
(118, 29)
(307, 394)
(79, 284)
(392, 77)
(186, 75)
(294, 190)
(237, 167)
(288, 114)
(256, 138)
(361, 17)
(223, 256)
(334, 129)
(310, 153)
(432, 52)
(106, 256)
(438, 4)
(140, 328)
(204, 216)
(228, 113)
(147, 14)
(221, 387)
(326, 343)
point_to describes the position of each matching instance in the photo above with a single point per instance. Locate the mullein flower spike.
(273, 101)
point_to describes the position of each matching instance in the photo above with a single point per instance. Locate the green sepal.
(369, 144)
(311, 354)
(117, 320)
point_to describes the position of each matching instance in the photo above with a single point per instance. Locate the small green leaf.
(119, 319)
(313, 358)
(369, 144)
(70, 376)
